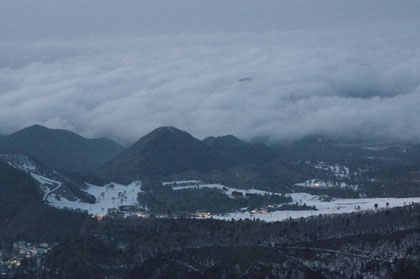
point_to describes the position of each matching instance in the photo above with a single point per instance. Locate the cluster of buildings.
(127, 211)
(261, 210)
(319, 183)
(202, 214)
(12, 258)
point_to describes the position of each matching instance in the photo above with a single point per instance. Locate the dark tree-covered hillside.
(60, 149)
(24, 216)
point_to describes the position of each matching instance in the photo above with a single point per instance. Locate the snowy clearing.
(335, 206)
(332, 206)
(110, 196)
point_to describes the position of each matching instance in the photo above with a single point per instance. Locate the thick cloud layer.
(75, 18)
(283, 84)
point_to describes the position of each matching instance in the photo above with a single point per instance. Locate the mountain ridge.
(60, 149)
(239, 152)
(163, 151)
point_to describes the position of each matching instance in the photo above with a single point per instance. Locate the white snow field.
(333, 206)
(112, 195)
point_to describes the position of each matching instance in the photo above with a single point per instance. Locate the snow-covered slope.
(48, 185)
(20, 161)
(48, 181)
(110, 196)
(57, 194)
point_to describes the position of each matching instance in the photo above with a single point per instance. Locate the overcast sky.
(122, 68)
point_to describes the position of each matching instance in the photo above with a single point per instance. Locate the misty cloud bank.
(340, 82)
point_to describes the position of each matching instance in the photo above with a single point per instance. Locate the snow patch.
(337, 170)
(319, 183)
(19, 161)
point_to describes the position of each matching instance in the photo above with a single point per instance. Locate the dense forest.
(379, 243)
(164, 200)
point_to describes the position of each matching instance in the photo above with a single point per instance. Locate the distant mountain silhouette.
(238, 152)
(164, 151)
(60, 149)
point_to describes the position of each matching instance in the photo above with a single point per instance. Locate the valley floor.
(114, 195)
